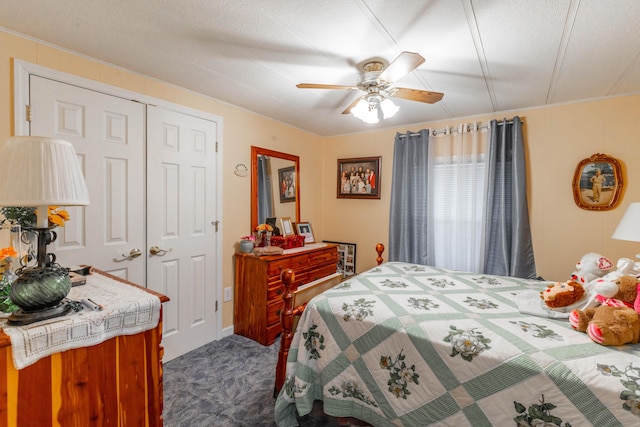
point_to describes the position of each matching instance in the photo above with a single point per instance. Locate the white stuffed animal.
(590, 267)
(626, 267)
(600, 288)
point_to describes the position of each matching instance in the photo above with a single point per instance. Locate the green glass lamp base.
(22, 317)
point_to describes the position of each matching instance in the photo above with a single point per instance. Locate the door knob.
(133, 253)
(155, 250)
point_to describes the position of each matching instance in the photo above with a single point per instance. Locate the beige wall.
(557, 139)
(241, 129)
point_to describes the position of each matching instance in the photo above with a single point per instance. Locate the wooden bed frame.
(287, 319)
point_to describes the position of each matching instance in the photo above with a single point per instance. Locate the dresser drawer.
(272, 333)
(321, 272)
(299, 261)
(273, 312)
(276, 288)
(323, 257)
(275, 267)
(275, 291)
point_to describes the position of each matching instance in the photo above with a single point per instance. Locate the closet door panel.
(108, 134)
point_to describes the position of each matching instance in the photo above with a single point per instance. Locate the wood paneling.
(115, 383)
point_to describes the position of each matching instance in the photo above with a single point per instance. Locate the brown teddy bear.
(617, 320)
(562, 294)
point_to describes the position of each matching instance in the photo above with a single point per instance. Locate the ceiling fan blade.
(415, 94)
(353, 104)
(405, 63)
(321, 86)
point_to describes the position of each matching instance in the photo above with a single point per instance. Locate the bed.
(410, 345)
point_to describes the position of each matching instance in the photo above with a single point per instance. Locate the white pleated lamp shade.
(629, 226)
(40, 171)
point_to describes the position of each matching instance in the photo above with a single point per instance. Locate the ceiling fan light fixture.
(371, 109)
(366, 111)
(389, 109)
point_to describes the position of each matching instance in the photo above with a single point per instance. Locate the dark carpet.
(226, 383)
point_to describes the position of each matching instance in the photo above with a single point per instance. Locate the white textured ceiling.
(485, 55)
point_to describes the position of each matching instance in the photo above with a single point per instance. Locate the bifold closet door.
(181, 195)
(107, 133)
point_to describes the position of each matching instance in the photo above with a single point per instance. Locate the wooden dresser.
(258, 294)
(115, 383)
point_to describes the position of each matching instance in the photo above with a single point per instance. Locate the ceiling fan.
(378, 83)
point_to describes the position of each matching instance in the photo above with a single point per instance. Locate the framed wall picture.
(359, 178)
(597, 183)
(287, 187)
(346, 258)
(287, 227)
(304, 229)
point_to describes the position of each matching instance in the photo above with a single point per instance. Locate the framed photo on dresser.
(287, 227)
(304, 229)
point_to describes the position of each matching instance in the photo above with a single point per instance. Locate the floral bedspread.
(410, 345)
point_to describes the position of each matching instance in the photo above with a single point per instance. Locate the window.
(459, 194)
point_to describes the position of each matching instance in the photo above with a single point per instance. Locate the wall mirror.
(597, 183)
(275, 185)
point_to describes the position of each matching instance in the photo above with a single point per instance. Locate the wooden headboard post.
(286, 320)
(379, 250)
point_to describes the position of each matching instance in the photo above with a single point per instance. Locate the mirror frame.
(582, 175)
(255, 152)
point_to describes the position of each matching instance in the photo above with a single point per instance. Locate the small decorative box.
(288, 242)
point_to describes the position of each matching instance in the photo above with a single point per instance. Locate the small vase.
(246, 246)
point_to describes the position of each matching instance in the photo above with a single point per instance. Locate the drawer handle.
(279, 291)
(278, 312)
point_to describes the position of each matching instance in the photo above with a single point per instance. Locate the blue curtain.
(506, 242)
(265, 193)
(508, 245)
(410, 217)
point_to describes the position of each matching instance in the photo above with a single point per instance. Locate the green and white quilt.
(410, 345)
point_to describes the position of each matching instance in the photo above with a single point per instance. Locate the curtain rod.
(474, 126)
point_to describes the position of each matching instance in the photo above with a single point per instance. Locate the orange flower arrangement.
(6, 258)
(264, 227)
(57, 216)
(26, 216)
(7, 252)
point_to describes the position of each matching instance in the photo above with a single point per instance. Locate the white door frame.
(21, 72)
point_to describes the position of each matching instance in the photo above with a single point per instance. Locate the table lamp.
(39, 172)
(629, 226)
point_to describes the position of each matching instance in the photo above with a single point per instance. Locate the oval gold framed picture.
(597, 183)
